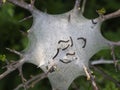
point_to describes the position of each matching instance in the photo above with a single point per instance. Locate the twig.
(83, 6)
(90, 77)
(105, 75)
(14, 51)
(114, 43)
(86, 72)
(22, 4)
(111, 15)
(77, 6)
(11, 68)
(102, 61)
(29, 83)
(22, 77)
(25, 18)
(114, 58)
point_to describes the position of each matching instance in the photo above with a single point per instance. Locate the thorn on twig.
(14, 51)
(114, 58)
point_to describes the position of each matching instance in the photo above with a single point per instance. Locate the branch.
(105, 75)
(11, 67)
(112, 45)
(77, 6)
(14, 51)
(31, 82)
(102, 61)
(83, 6)
(90, 77)
(111, 15)
(22, 4)
(26, 18)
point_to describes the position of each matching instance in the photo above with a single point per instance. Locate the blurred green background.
(11, 36)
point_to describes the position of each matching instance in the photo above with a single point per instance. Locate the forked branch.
(31, 82)
(11, 67)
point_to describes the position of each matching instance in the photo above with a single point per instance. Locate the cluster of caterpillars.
(68, 43)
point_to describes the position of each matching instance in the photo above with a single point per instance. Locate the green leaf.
(2, 58)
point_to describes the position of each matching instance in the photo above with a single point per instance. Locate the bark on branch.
(11, 67)
(22, 4)
(112, 15)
